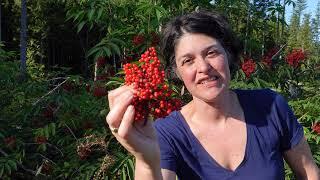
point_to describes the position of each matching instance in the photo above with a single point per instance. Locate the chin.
(212, 95)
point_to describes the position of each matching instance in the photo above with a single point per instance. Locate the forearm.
(144, 171)
(311, 173)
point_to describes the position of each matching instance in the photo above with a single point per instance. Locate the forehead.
(195, 43)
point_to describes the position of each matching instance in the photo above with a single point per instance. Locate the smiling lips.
(208, 79)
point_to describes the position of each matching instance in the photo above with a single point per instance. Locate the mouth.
(208, 79)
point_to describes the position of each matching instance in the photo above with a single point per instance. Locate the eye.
(212, 53)
(187, 60)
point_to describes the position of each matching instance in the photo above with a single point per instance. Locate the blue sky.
(311, 8)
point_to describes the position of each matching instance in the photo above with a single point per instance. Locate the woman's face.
(202, 64)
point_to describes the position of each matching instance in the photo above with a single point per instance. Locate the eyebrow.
(202, 51)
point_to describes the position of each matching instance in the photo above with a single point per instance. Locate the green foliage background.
(57, 100)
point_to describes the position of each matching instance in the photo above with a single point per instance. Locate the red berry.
(151, 91)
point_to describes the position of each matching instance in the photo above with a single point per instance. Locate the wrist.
(147, 170)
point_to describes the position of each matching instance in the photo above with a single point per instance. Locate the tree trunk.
(23, 39)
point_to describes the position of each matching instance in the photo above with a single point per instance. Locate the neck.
(217, 112)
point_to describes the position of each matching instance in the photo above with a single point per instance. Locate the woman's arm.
(144, 171)
(300, 160)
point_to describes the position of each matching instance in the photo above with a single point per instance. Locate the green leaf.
(92, 51)
(99, 13)
(46, 132)
(130, 169)
(90, 14)
(107, 51)
(115, 48)
(1, 170)
(112, 83)
(12, 164)
(158, 13)
(80, 26)
(123, 173)
(53, 129)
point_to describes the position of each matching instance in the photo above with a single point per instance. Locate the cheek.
(187, 76)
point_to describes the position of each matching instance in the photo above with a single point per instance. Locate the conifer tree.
(305, 34)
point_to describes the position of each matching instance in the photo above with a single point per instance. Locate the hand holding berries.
(138, 138)
(145, 94)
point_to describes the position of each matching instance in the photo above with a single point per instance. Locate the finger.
(145, 127)
(113, 94)
(127, 122)
(116, 113)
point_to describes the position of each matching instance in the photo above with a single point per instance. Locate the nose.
(202, 65)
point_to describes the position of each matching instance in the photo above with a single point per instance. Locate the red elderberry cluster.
(267, 58)
(248, 67)
(152, 96)
(316, 128)
(138, 39)
(295, 57)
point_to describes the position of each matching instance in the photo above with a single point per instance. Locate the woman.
(221, 133)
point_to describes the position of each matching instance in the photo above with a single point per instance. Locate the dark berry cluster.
(248, 67)
(316, 128)
(138, 40)
(295, 57)
(153, 96)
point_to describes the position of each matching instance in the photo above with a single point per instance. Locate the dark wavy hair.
(209, 23)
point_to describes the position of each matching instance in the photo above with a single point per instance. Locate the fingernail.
(130, 108)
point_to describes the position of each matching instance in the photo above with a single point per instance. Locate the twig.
(71, 132)
(56, 78)
(50, 92)
(44, 157)
(276, 54)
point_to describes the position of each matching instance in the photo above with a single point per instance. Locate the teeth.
(209, 79)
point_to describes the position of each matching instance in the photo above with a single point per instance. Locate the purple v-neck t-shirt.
(272, 129)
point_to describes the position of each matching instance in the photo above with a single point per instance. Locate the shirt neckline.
(196, 142)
